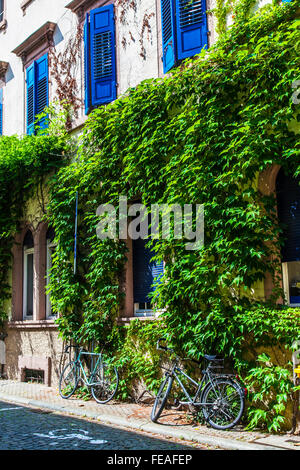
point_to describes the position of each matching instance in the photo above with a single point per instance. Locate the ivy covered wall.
(201, 135)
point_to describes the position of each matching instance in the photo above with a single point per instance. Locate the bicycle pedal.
(185, 403)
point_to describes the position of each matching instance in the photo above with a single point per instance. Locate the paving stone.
(131, 415)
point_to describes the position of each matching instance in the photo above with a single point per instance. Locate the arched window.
(49, 254)
(28, 276)
(288, 205)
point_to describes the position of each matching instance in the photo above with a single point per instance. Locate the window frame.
(27, 252)
(173, 26)
(286, 283)
(91, 81)
(35, 84)
(3, 22)
(137, 310)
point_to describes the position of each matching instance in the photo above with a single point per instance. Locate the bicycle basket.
(165, 362)
(216, 365)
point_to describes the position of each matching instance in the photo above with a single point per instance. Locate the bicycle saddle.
(209, 358)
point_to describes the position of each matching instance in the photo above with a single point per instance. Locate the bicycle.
(220, 396)
(103, 379)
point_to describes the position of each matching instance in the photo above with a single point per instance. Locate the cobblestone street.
(25, 428)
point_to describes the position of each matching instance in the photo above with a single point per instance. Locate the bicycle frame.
(207, 378)
(88, 381)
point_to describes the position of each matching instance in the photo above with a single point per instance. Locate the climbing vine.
(201, 135)
(63, 67)
(25, 163)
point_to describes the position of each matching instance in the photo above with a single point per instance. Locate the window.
(184, 30)
(37, 93)
(288, 205)
(100, 57)
(1, 10)
(146, 274)
(28, 275)
(1, 111)
(49, 254)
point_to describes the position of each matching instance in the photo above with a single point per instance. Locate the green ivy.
(201, 135)
(272, 390)
(25, 163)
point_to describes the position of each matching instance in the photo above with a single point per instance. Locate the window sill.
(142, 315)
(32, 324)
(128, 320)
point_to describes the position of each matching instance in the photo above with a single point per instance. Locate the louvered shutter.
(168, 34)
(30, 100)
(86, 39)
(42, 88)
(1, 112)
(145, 271)
(191, 27)
(103, 55)
(288, 206)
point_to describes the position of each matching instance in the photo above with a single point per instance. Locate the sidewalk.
(137, 417)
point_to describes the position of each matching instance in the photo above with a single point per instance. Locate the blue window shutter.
(191, 27)
(168, 34)
(87, 78)
(30, 98)
(146, 273)
(42, 88)
(1, 112)
(103, 55)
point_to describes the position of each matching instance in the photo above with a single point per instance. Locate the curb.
(141, 425)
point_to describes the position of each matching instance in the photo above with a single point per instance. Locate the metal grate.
(102, 55)
(34, 376)
(190, 12)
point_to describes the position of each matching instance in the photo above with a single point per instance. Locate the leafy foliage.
(201, 135)
(24, 164)
(272, 390)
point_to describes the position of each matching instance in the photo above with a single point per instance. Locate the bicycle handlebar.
(163, 348)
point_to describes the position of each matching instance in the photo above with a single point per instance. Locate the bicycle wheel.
(224, 403)
(161, 398)
(105, 383)
(68, 380)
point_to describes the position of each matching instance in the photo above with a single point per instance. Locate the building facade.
(91, 52)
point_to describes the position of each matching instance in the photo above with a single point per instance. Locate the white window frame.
(146, 312)
(50, 248)
(142, 312)
(285, 282)
(27, 251)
